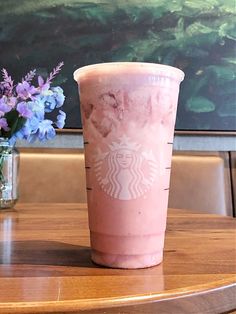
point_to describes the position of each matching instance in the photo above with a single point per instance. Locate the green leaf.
(200, 104)
(228, 30)
(201, 4)
(221, 74)
(198, 34)
(227, 6)
(199, 28)
(124, 54)
(15, 123)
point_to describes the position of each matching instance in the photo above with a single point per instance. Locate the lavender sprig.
(7, 81)
(6, 77)
(54, 72)
(29, 76)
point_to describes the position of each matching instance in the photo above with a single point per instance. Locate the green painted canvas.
(197, 36)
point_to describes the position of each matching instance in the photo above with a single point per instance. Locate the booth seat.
(52, 175)
(233, 178)
(199, 181)
(202, 182)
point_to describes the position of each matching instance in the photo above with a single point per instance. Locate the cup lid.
(130, 67)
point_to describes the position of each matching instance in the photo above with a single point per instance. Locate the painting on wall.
(197, 36)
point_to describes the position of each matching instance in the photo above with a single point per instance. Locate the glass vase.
(9, 166)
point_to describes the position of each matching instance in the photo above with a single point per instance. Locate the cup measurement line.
(167, 189)
(86, 142)
(170, 143)
(89, 189)
(168, 168)
(87, 167)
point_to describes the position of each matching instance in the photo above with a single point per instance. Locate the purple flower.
(43, 86)
(61, 119)
(4, 107)
(11, 101)
(25, 90)
(24, 110)
(6, 104)
(3, 124)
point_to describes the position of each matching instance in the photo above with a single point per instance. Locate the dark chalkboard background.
(197, 36)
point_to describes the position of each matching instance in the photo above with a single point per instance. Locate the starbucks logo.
(125, 171)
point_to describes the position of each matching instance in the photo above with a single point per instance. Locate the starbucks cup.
(128, 113)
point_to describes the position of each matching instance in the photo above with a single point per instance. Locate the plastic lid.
(130, 67)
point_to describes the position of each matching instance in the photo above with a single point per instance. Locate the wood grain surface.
(45, 266)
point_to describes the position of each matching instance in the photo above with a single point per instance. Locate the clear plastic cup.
(128, 114)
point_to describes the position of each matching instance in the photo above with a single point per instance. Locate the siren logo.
(125, 171)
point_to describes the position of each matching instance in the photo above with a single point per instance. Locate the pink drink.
(128, 113)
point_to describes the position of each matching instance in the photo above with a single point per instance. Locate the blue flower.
(58, 95)
(52, 98)
(30, 127)
(48, 100)
(61, 119)
(46, 131)
(18, 135)
(37, 107)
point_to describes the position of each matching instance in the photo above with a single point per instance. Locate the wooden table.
(46, 268)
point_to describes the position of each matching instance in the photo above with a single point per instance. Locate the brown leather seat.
(201, 181)
(52, 175)
(233, 178)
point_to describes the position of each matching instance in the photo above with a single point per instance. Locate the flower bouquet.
(23, 107)
(23, 115)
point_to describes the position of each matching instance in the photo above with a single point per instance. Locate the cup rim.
(155, 68)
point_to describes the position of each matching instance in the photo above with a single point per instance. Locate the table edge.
(104, 303)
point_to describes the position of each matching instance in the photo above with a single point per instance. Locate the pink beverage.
(128, 113)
